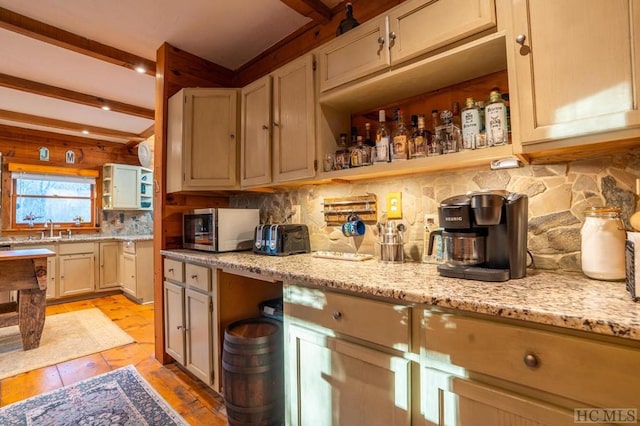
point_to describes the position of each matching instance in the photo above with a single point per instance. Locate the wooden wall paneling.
(314, 36)
(175, 69)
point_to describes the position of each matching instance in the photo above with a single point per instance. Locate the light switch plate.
(394, 205)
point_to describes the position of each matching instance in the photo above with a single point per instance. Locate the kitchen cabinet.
(570, 86)
(510, 373)
(278, 125)
(77, 268)
(126, 187)
(109, 265)
(202, 140)
(137, 261)
(411, 29)
(346, 359)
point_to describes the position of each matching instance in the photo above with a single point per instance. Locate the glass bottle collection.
(479, 125)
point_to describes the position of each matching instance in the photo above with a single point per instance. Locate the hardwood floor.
(197, 403)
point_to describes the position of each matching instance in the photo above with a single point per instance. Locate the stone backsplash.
(126, 223)
(558, 194)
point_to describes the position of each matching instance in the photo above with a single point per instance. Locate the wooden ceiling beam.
(49, 34)
(66, 125)
(313, 9)
(25, 135)
(42, 89)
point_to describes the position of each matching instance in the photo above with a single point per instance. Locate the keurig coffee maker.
(484, 235)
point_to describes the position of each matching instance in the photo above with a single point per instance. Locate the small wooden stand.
(26, 272)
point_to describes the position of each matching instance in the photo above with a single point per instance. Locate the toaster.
(281, 240)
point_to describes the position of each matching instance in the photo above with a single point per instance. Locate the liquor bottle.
(342, 153)
(470, 124)
(400, 139)
(356, 153)
(419, 140)
(455, 110)
(364, 152)
(433, 145)
(448, 134)
(349, 22)
(382, 141)
(367, 136)
(495, 116)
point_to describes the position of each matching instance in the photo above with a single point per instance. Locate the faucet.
(50, 224)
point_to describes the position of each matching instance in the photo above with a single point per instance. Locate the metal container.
(463, 248)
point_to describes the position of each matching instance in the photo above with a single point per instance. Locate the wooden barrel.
(253, 373)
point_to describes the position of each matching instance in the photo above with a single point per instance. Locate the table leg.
(31, 313)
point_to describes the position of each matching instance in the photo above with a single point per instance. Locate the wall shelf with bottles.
(468, 70)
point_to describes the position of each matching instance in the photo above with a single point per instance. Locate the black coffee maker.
(484, 236)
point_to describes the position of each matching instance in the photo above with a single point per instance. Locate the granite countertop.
(564, 300)
(78, 238)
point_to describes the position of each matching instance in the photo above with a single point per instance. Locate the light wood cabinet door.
(129, 273)
(576, 71)
(52, 287)
(126, 194)
(294, 120)
(453, 401)
(334, 382)
(255, 151)
(77, 274)
(109, 271)
(201, 140)
(199, 335)
(355, 54)
(419, 26)
(174, 321)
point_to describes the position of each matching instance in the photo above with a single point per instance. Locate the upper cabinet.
(573, 68)
(413, 28)
(278, 125)
(126, 187)
(202, 140)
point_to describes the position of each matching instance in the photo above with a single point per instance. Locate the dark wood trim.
(42, 89)
(313, 9)
(66, 125)
(49, 34)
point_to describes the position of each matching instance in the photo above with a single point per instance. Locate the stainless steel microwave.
(220, 229)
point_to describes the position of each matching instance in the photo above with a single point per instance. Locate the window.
(38, 198)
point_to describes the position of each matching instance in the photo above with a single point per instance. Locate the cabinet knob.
(381, 41)
(530, 360)
(180, 327)
(232, 136)
(170, 269)
(520, 39)
(275, 123)
(194, 277)
(265, 127)
(336, 315)
(392, 36)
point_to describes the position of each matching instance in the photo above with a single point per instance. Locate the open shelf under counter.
(440, 163)
(465, 62)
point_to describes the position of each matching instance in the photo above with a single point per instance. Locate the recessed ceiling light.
(106, 107)
(140, 69)
(85, 132)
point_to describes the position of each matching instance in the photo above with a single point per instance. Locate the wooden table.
(26, 272)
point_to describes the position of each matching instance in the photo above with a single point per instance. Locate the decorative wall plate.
(144, 154)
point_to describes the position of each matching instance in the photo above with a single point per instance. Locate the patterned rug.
(120, 397)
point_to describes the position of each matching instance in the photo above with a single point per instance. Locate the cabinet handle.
(392, 36)
(232, 136)
(194, 277)
(336, 315)
(275, 123)
(180, 327)
(265, 127)
(170, 269)
(520, 39)
(381, 41)
(530, 360)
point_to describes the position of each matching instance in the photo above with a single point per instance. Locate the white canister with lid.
(603, 238)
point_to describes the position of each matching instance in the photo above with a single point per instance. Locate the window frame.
(15, 175)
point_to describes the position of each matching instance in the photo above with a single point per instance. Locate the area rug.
(65, 336)
(120, 397)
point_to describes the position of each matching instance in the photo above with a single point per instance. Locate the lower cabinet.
(77, 271)
(137, 267)
(109, 265)
(198, 316)
(497, 372)
(346, 359)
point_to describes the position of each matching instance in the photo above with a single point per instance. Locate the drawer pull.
(530, 360)
(170, 269)
(194, 277)
(180, 327)
(336, 315)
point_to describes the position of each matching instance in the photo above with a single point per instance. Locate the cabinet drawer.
(75, 248)
(198, 276)
(173, 270)
(383, 323)
(590, 371)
